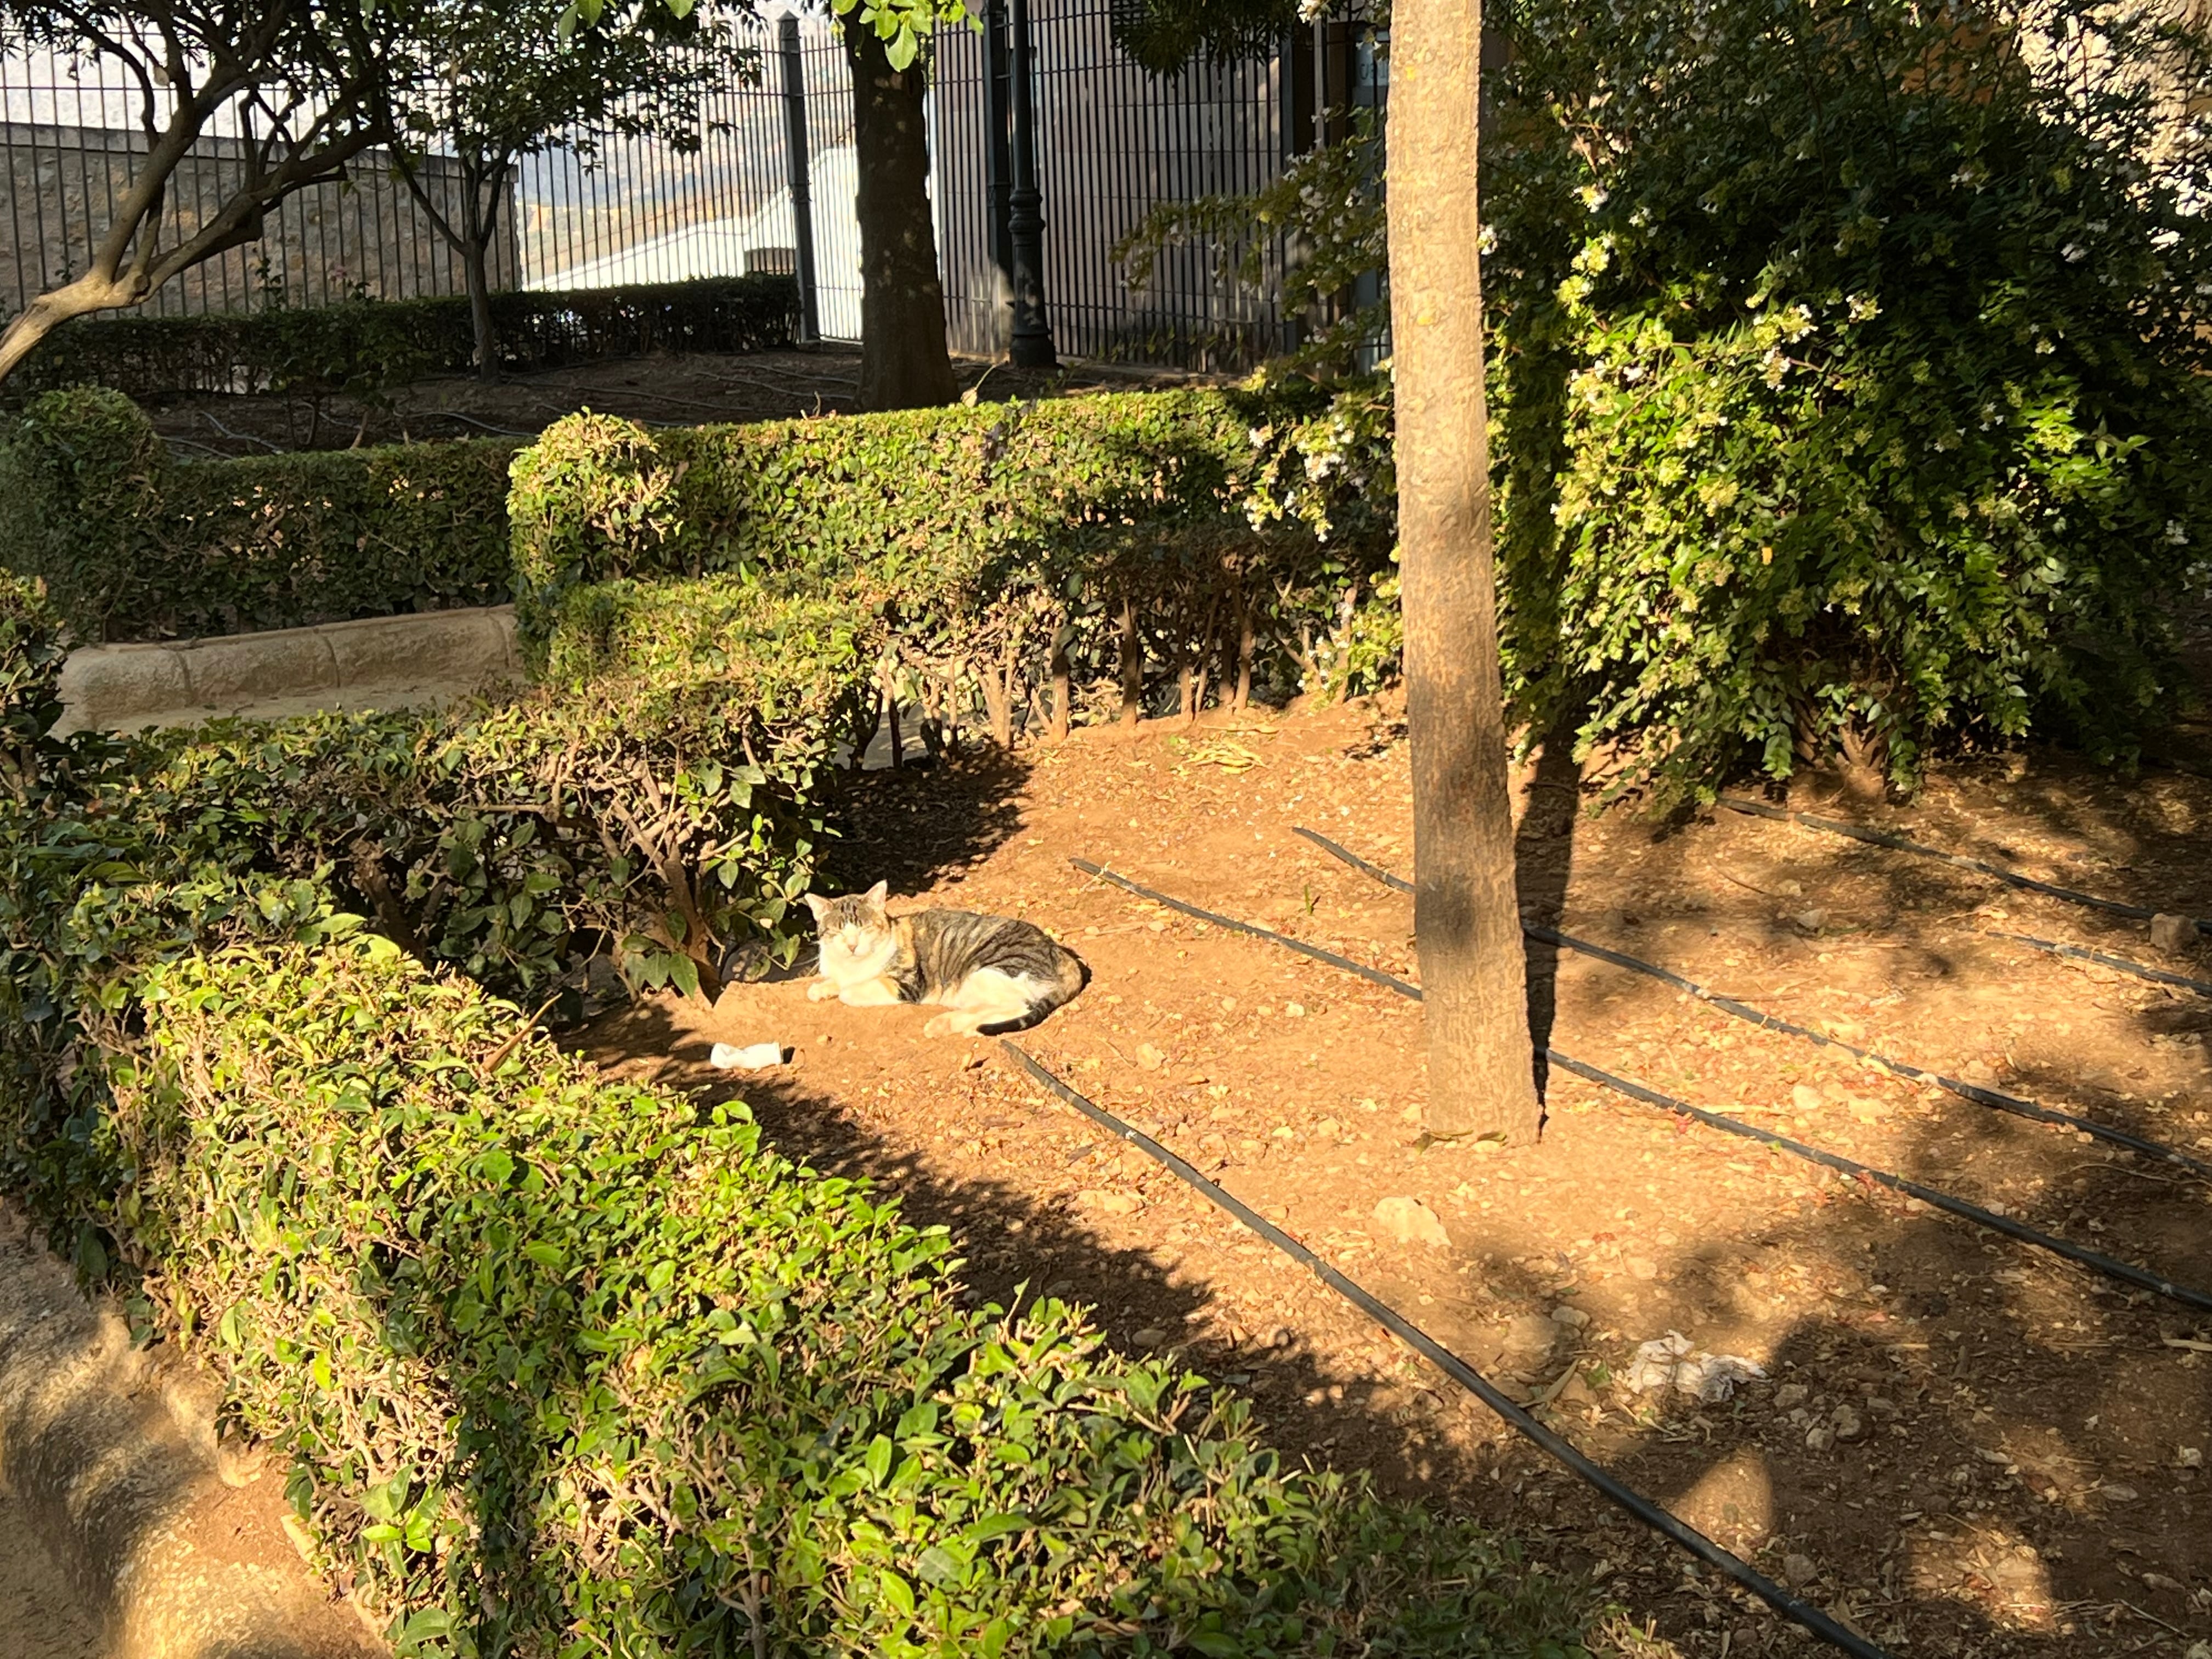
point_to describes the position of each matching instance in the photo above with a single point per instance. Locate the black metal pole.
(999, 166)
(1032, 342)
(795, 157)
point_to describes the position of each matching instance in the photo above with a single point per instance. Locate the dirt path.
(39, 1616)
(168, 1546)
(1965, 1446)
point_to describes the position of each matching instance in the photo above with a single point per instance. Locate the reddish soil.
(660, 391)
(1964, 1445)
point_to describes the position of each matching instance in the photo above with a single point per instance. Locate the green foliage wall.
(136, 545)
(561, 1367)
(365, 347)
(998, 543)
(1853, 396)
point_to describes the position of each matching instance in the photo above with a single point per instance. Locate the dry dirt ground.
(40, 1616)
(1964, 1445)
(660, 391)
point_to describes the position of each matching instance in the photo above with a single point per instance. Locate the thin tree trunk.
(1062, 686)
(1244, 643)
(1474, 974)
(1133, 663)
(44, 315)
(474, 264)
(476, 258)
(903, 360)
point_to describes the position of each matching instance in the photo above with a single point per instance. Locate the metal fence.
(69, 141)
(1113, 142)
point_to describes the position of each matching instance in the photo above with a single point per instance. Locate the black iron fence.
(1113, 143)
(70, 142)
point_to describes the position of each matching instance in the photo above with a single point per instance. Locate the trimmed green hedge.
(136, 545)
(561, 1367)
(1000, 543)
(658, 816)
(366, 346)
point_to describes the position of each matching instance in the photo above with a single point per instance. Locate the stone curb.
(383, 661)
(115, 1459)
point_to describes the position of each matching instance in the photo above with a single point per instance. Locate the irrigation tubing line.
(2111, 1267)
(1997, 1099)
(2157, 975)
(1372, 975)
(2010, 878)
(1642, 1509)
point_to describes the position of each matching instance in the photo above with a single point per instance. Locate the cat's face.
(855, 923)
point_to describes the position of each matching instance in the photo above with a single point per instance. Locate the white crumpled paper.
(728, 1057)
(1671, 1362)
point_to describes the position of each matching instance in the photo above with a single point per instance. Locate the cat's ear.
(878, 893)
(820, 906)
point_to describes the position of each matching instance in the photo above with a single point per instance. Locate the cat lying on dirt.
(987, 972)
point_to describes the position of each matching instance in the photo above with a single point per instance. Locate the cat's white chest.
(843, 966)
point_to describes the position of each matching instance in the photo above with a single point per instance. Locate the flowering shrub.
(1853, 364)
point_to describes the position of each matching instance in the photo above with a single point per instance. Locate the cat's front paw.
(943, 1025)
(821, 990)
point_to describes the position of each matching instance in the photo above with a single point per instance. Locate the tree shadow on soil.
(1969, 1449)
(914, 825)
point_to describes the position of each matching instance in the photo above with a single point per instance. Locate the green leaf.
(897, 1591)
(877, 1461)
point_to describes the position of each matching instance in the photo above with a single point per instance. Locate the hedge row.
(1014, 550)
(367, 346)
(136, 545)
(561, 1367)
(558, 1365)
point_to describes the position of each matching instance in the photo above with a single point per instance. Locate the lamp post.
(796, 159)
(1032, 346)
(999, 168)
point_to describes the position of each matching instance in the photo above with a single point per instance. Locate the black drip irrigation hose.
(2157, 975)
(2010, 878)
(1661, 1520)
(2122, 1272)
(1997, 1099)
(1372, 975)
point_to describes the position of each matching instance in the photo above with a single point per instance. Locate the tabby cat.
(987, 972)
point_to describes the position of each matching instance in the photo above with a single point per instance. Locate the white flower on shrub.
(1594, 256)
(2165, 239)
(2176, 533)
(1864, 307)
(2073, 253)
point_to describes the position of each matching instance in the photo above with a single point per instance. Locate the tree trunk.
(1244, 644)
(473, 265)
(1063, 686)
(1132, 664)
(47, 312)
(903, 360)
(476, 260)
(1473, 976)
